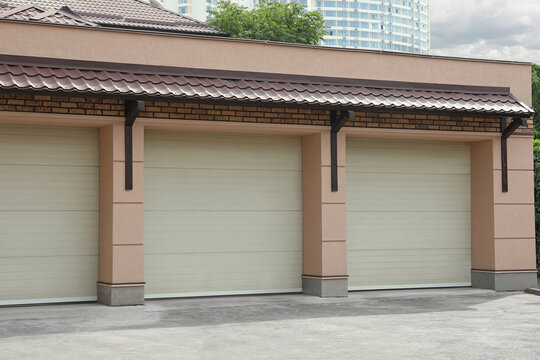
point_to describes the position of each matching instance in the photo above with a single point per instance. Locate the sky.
(487, 29)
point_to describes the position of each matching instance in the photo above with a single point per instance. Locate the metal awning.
(195, 84)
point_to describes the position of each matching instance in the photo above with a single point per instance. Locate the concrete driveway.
(406, 324)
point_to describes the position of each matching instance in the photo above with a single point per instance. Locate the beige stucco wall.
(121, 212)
(502, 223)
(324, 211)
(514, 231)
(212, 53)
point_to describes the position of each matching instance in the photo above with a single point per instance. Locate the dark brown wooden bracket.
(336, 123)
(506, 131)
(132, 109)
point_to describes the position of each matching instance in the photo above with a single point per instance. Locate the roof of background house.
(180, 83)
(125, 14)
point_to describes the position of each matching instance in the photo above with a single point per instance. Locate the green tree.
(273, 21)
(536, 100)
(537, 202)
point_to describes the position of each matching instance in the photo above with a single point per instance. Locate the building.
(163, 160)
(390, 25)
(198, 9)
(393, 25)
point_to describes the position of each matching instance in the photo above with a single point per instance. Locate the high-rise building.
(393, 25)
(198, 9)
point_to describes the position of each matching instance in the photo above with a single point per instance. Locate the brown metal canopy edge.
(139, 81)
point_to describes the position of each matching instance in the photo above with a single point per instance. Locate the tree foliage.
(537, 202)
(536, 98)
(272, 21)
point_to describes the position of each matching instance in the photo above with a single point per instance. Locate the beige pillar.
(324, 219)
(503, 239)
(121, 280)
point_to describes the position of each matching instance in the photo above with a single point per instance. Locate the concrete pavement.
(405, 324)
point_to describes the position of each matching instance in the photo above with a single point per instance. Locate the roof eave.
(282, 104)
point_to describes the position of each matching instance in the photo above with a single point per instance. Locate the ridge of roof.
(65, 13)
(18, 9)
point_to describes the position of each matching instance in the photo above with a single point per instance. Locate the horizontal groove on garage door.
(49, 214)
(408, 214)
(223, 214)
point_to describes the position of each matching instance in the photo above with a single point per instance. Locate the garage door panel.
(44, 277)
(48, 233)
(49, 188)
(233, 230)
(198, 151)
(46, 146)
(212, 272)
(223, 214)
(211, 189)
(408, 213)
(408, 192)
(409, 267)
(387, 230)
(426, 157)
(49, 214)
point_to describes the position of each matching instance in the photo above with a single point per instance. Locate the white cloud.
(491, 29)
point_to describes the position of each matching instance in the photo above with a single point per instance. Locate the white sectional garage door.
(408, 214)
(49, 214)
(222, 214)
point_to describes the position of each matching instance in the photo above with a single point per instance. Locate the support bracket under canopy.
(506, 131)
(336, 122)
(132, 109)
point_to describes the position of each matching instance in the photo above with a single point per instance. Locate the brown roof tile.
(128, 14)
(215, 85)
(34, 13)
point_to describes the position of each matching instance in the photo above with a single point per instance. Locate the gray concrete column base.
(120, 295)
(326, 287)
(516, 281)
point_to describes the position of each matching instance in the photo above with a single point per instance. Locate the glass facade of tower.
(183, 7)
(392, 25)
(211, 5)
(395, 25)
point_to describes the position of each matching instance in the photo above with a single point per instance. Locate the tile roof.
(54, 16)
(260, 88)
(126, 14)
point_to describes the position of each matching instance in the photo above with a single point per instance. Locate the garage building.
(131, 168)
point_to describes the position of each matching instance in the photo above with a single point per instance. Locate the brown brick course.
(251, 114)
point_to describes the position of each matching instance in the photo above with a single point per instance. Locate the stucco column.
(503, 243)
(121, 256)
(324, 219)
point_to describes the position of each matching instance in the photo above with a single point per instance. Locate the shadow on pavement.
(54, 319)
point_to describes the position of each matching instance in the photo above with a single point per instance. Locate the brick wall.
(240, 113)
(61, 104)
